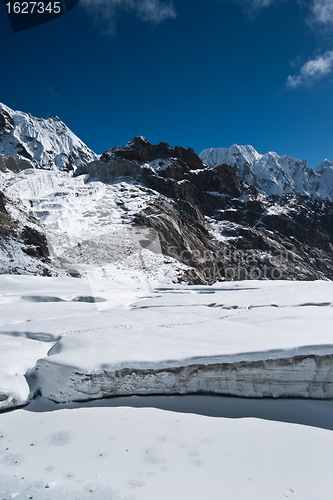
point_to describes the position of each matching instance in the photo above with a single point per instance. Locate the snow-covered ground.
(118, 453)
(73, 339)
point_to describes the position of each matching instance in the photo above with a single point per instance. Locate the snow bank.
(35, 312)
(17, 355)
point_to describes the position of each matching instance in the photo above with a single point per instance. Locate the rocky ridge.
(213, 221)
(23, 243)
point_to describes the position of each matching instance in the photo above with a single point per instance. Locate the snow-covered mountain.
(272, 174)
(154, 211)
(41, 143)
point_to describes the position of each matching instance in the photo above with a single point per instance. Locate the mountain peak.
(140, 150)
(44, 143)
(272, 174)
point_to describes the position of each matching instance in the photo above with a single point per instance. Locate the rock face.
(139, 149)
(23, 245)
(183, 236)
(13, 164)
(219, 225)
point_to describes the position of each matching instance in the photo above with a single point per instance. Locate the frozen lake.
(75, 340)
(314, 413)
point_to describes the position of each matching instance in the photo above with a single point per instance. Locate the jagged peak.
(3, 107)
(140, 150)
(45, 143)
(273, 174)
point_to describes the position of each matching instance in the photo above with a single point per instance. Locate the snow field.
(54, 338)
(103, 338)
(107, 453)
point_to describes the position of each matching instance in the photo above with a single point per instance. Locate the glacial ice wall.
(299, 375)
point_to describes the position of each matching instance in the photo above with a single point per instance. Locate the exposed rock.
(23, 244)
(112, 170)
(6, 223)
(199, 187)
(287, 239)
(36, 243)
(6, 121)
(183, 236)
(13, 164)
(139, 149)
(218, 224)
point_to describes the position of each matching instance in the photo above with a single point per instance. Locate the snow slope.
(44, 143)
(274, 174)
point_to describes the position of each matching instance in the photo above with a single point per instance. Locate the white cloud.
(313, 70)
(323, 11)
(106, 11)
(252, 7)
(259, 4)
(155, 11)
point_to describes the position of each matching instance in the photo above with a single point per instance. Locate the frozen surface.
(93, 339)
(37, 311)
(114, 453)
(17, 355)
(82, 339)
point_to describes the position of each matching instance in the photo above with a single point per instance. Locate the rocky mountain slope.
(160, 213)
(23, 243)
(220, 226)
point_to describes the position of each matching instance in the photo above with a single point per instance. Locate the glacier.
(257, 338)
(91, 339)
(124, 328)
(122, 452)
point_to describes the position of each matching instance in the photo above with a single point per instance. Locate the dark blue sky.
(211, 74)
